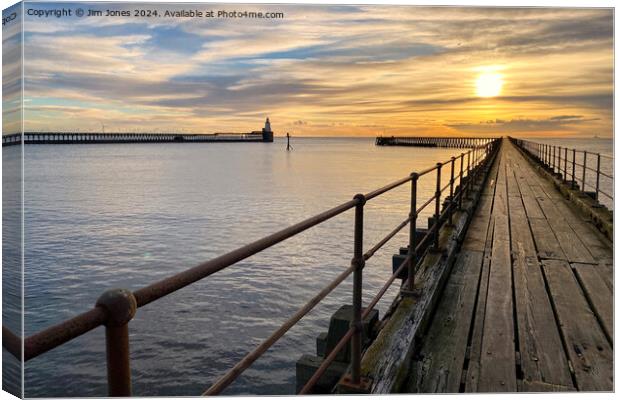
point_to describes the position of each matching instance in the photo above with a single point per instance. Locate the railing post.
(583, 176)
(598, 173)
(358, 263)
(437, 207)
(468, 171)
(565, 161)
(461, 188)
(413, 215)
(572, 184)
(452, 202)
(120, 306)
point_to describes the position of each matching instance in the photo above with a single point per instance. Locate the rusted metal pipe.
(358, 263)
(12, 343)
(171, 284)
(120, 306)
(452, 202)
(437, 206)
(249, 359)
(573, 174)
(461, 183)
(565, 161)
(598, 173)
(583, 177)
(383, 241)
(63, 332)
(413, 214)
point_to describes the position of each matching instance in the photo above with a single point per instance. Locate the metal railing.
(565, 162)
(115, 308)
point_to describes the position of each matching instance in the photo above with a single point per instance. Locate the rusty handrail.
(115, 308)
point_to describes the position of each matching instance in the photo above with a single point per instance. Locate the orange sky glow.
(325, 71)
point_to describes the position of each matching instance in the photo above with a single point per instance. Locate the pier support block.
(308, 364)
(397, 259)
(346, 386)
(339, 324)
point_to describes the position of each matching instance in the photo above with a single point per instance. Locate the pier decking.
(528, 305)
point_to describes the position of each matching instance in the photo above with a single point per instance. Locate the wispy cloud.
(355, 70)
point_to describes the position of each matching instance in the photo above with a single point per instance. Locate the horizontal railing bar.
(423, 206)
(446, 187)
(12, 343)
(56, 335)
(387, 188)
(61, 333)
(427, 170)
(385, 287)
(386, 239)
(166, 286)
(249, 359)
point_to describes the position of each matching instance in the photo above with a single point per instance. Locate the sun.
(489, 84)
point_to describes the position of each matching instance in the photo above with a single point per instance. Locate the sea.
(107, 216)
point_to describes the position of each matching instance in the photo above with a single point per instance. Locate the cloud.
(499, 126)
(406, 68)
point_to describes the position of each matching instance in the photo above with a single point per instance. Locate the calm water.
(103, 216)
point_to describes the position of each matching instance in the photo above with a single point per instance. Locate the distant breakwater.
(92, 138)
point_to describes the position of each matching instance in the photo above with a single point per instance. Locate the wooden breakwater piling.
(420, 141)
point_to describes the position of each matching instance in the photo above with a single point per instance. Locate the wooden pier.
(528, 305)
(456, 142)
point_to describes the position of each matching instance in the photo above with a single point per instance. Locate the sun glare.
(489, 84)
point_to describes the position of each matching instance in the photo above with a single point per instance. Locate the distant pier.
(82, 138)
(263, 136)
(415, 141)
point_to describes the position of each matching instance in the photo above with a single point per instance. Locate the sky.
(320, 71)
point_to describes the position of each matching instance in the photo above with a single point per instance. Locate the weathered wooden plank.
(588, 349)
(546, 242)
(476, 233)
(497, 360)
(572, 246)
(473, 371)
(542, 356)
(598, 294)
(475, 238)
(534, 386)
(606, 271)
(597, 245)
(532, 208)
(440, 366)
(594, 241)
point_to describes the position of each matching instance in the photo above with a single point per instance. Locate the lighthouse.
(267, 133)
